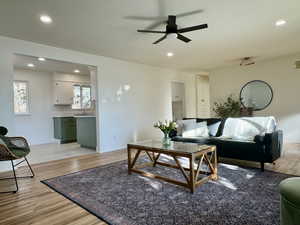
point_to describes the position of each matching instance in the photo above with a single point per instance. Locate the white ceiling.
(52, 66)
(236, 29)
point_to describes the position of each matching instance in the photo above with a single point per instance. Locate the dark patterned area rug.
(241, 196)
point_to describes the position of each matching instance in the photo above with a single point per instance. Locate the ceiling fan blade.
(188, 29)
(161, 39)
(162, 19)
(151, 31)
(157, 24)
(190, 13)
(146, 18)
(183, 38)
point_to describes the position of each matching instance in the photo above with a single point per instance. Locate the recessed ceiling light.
(127, 87)
(280, 23)
(46, 19)
(76, 71)
(170, 54)
(41, 59)
(30, 65)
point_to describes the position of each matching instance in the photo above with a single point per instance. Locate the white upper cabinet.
(63, 93)
(177, 91)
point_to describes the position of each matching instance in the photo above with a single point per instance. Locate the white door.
(203, 101)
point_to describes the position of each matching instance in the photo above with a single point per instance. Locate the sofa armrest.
(273, 144)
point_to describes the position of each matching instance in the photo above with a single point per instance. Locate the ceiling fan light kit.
(172, 36)
(172, 31)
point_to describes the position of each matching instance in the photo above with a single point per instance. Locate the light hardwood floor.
(36, 204)
(55, 151)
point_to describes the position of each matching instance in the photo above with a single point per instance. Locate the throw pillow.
(179, 127)
(194, 129)
(214, 128)
(188, 127)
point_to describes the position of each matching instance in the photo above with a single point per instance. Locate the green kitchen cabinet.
(65, 129)
(86, 131)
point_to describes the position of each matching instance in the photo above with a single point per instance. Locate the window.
(21, 97)
(77, 97)
(82, 97)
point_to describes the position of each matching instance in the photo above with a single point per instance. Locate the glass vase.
(166, 140)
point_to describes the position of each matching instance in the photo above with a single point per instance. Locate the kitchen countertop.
(84, 116)
(73, 115)
(60, 116)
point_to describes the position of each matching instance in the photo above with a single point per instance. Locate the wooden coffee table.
(197, 156)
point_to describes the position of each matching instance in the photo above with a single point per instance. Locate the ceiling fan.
(172, 30)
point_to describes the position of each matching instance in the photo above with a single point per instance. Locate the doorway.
(178, 100)
(55, 106)
(203, 96)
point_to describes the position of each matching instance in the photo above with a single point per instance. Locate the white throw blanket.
(246, 128)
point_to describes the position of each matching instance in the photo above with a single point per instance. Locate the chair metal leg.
(13, 166)
(14, 177)
(29, 167)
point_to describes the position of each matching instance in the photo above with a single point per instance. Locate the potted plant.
(166, 127)
(231, 107)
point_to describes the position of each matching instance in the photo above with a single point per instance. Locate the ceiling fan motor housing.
(171, 25)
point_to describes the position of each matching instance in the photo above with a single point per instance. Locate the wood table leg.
(181, 169)
(155, 159)
(135, 158)
(129, 160)
(192, 174)
(149, 156)
(131, 164)
(215, 174)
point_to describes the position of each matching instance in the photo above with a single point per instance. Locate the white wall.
(37, 127)
(131, 116)
(281, 74)
(148, 100)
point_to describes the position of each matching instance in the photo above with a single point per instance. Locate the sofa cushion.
(226, 140)
(246, 128)
(198, 140)
(20, 152)
(236, 149)
(193, 129)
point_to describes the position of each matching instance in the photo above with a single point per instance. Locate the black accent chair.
(13, 148)
(263, 149)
